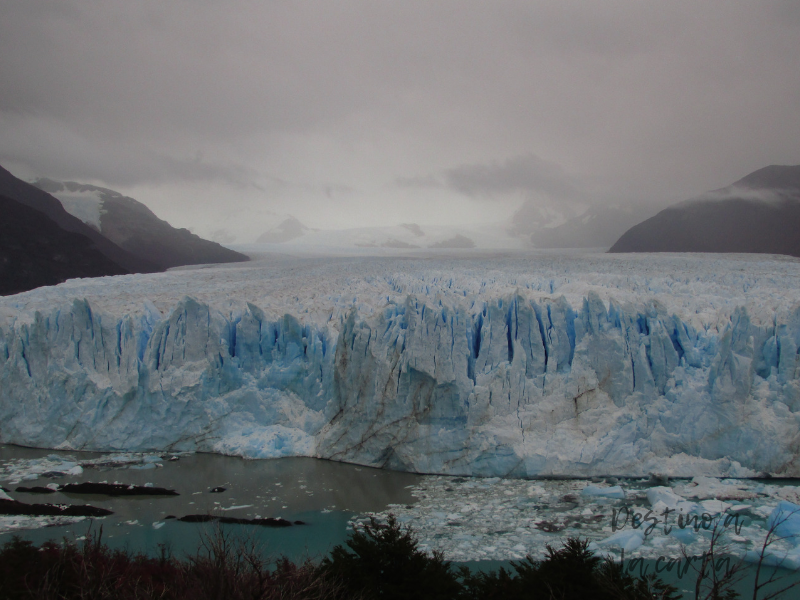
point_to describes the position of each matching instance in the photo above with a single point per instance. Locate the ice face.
(520, 366)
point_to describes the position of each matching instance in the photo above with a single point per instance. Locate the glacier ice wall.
(512, 383)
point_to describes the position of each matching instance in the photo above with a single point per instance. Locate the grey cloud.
(421, 181)
(526, 174)
(639, 100)
(334, 190)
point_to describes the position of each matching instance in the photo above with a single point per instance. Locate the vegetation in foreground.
(380, 560)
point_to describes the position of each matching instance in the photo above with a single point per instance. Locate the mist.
(364, 114)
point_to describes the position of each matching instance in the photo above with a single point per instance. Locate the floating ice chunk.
(4, 496)
(604, 492)
(785, 521)
(714, 507)
(158, 524)
(710, 487)
(76, 470)
(664, 497)
(685, 535)
(629, 540)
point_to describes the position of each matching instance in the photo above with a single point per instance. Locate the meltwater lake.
(324, 495)
(483, 523)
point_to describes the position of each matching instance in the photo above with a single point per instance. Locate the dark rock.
(35, 490)
(549, 526)
(169, 517)
(268, 522)
(53, 474)
(198, 518)
(217, 490)
(299, 522)
(115, 489)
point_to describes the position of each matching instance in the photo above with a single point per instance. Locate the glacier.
(518, 365)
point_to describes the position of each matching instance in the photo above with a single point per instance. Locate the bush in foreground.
(380, 560)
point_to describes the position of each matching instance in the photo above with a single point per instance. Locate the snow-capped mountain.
(759, 213)
(287, 230)
(598, 227)
(35, 251)
(32, 197)
(134, 227)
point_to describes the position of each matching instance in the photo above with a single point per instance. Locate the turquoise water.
(325, 495)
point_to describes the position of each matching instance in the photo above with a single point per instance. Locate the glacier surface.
(520, 365)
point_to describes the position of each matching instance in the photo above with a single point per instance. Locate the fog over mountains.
(759, 213)
(135, 228)
(94, 232)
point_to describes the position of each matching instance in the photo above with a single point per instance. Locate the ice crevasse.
(511, 384)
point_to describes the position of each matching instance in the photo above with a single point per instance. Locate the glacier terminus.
(518, 365)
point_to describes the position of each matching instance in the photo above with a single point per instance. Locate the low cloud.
(526, 175)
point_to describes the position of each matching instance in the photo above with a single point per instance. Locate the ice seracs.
(520, 366)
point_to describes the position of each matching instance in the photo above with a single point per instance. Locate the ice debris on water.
(491, 519)
(27, 469)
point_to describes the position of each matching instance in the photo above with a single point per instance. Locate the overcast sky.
(375, 112)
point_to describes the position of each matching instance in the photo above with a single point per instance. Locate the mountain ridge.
(759, 213)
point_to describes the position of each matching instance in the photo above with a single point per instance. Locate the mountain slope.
(598, 227)
(760, 213)
(43, 202)
(135, 228)
(36, 251)
(286, 231)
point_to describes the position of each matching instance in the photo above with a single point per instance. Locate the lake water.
(483, 523)
(323, 494)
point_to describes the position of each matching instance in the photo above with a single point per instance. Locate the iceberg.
(511, 366)
(615, 492)
(784, 522)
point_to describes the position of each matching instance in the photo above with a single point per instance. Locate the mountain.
(551, 225)
(760, 213)
(27, 194)
(36, 251)
(286, 231)
(598, 227)
(134, 227)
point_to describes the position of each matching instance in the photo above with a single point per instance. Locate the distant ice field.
(701, 288)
